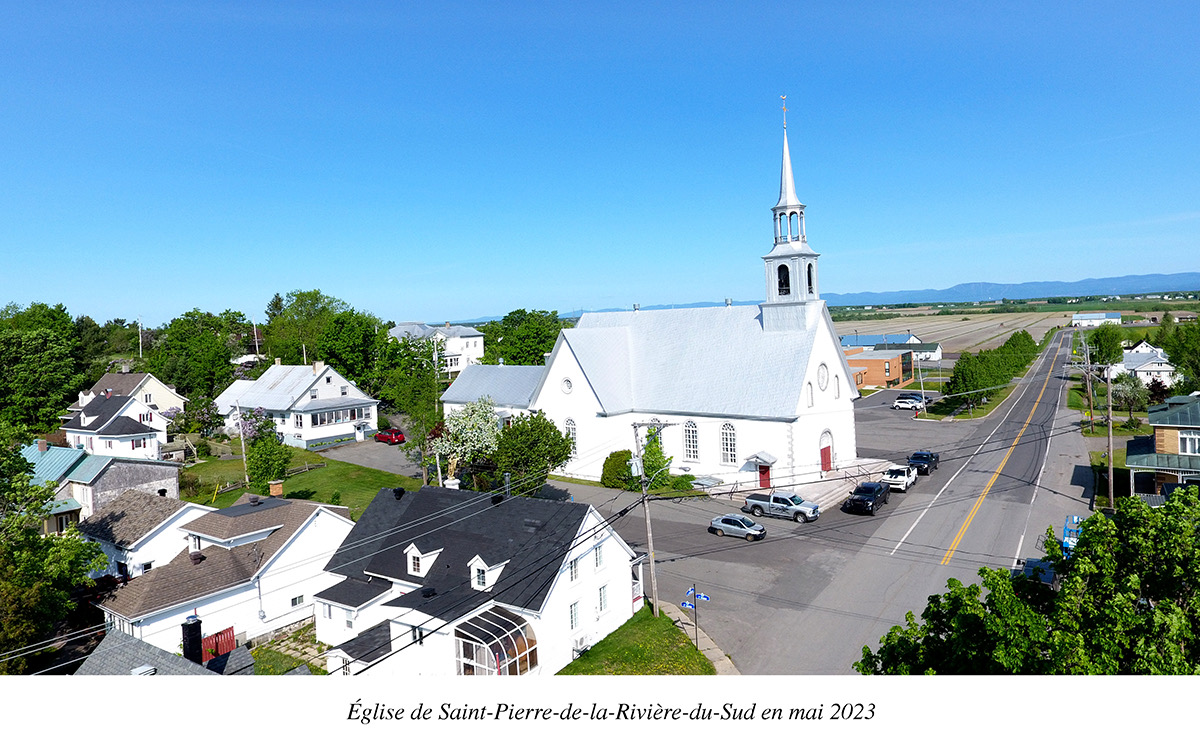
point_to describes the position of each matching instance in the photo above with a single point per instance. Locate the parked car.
(867, 497)
(926, 399)
(735, 525)
(389, 436)
(900, 479)
(909, 403)
(782, 504)
(924, 461)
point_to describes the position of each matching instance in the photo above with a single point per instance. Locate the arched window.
(812, 283)
(808, 388)
(794, 225)
(570, 432)
(728, 444)
(785, 281)
(691, 441)
(837, 386)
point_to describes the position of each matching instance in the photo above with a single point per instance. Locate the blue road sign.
(687, 605)
(690, 592)
(702, 596)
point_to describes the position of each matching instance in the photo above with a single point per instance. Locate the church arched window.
(691, 441)
(837, 386)
(728, 444)
(785, 281)
(812, 280)
(809, 392)
(571, 434)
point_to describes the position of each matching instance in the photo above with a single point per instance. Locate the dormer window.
(481, 577)
(419, 563)
(416, 565)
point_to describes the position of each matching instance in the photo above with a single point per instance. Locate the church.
(743, 395)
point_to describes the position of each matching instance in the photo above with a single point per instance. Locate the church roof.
(709, 361)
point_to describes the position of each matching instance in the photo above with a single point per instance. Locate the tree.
(411, 385)
(655, 463)
(274, 308)
(1166, 329)
(528, 449)
(470, 433)
(293, 334)
(348, 342)
(37, 573)
(522, 337)
(1125, 603)
(193, 353)
(267, 458)
(1106, 344)
(1130, 393)
(39, 377)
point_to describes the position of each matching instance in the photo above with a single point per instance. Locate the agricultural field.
(971, 332)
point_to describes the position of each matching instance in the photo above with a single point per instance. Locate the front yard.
(643, 645)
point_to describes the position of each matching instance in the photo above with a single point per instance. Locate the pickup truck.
(925, 462)
(867, 497)
(781, 504)
(901, 478)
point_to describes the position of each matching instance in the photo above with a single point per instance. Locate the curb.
(720, 661)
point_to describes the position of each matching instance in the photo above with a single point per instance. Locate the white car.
(901, 478)
(907, 403)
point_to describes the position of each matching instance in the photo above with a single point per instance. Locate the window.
(297, 601)
(574, 570)
(345, 390)
(328, 380)
(691, 441)
(837, 386)
(728, 444)
(147, 398)
(312, 394)
(574, 615)
(570, 427)
(195, 539)
(1189, 442)
(326, 610)
(299, 421)
(64, 522)
(887, 369)
(809, 393)
(107, 444)
(349, 618)
(785, 283)
(599, 556)
(416, 564)
(480, 577)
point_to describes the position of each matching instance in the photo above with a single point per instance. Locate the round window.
(566, 385)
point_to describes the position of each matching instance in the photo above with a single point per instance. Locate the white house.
(313, 406)
(447, 582)
(117, 426)
(750, 395)
(462, 346)
(1147, 363)
(1092, 320)
(253, 567)
(138, 531)
(141, 386)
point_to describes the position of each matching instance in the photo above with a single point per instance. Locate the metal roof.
(506, 385)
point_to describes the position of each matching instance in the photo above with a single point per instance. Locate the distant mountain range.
(969, 292)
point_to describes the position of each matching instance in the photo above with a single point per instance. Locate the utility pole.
(637, 468)
(1108, 390)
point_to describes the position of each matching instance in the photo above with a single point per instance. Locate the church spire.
(787, 184)
(791, 265)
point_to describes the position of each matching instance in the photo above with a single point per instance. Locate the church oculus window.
(728, 444)
(785, 284)
(566, 385)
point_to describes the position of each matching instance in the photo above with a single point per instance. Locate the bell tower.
(791, 266)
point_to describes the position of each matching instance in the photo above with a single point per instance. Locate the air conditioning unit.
(579, 645)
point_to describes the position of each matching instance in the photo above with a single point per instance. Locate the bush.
(203, 448)
(189, 485)
(616, 471)
(682, 483)
(382, 423)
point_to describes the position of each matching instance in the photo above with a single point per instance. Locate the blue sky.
(446, 161)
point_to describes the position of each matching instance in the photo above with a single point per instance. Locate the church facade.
(752, 396)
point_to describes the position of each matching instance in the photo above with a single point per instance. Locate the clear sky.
(446, 161)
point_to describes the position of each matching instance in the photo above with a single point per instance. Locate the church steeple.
(791, 264)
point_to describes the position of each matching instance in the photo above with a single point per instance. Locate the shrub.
(382, 423)
(616, 470)
(682, 483)
(203, 448)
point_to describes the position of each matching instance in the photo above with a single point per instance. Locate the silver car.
(736, 525)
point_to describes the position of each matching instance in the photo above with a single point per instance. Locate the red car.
(390, 436)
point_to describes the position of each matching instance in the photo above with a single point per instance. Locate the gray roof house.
(478, 583)
(138, 531)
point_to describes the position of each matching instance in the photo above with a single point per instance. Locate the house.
(922, 352)
(1172, 455)
(871, 340)
(881, 368)
(142, 386)
(253, 567)
(1147, 363)
(138, 531)
(313, 406)
(117, 426)
(85, 483)
(446, 582)
(462, 346)
(749, 395)
(123, 655)
(1092, 320)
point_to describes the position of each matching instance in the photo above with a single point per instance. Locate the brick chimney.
(43, 445)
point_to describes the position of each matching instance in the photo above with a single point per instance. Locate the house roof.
(220, 568)
(354, 592)
(121, 383)
(506, 385)
(866, 339)
(1137, 360)
(228, 398)
(422, 330)
(102, 410)
(1096, 316)
(278, 389)
(716, 361)
(371, 644)
(908, 347)
(1180, 410)
(120, 654)
(1139, 453)
(53, 464)
(129, 517)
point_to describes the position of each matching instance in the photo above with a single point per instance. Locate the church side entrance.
(826, 452)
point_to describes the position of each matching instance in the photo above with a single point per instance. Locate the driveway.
(371, 454)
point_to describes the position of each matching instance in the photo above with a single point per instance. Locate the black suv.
(924, 462)
(867, 497)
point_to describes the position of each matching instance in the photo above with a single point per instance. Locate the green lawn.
(643, 645)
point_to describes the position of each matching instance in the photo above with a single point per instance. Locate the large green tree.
(469, 434)
(528, 449)
(39, 379)
(1124, 601)
(193, 353)
(37, 573)
(522, 337)
(350, 342)
(1105, 343)
(411, 386)
(295, 332)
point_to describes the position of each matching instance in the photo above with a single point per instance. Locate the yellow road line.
(979, 501)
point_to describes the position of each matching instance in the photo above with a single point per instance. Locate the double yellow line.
(979, 501)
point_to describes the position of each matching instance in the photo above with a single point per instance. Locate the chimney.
(108, 393)
(124, 369)
(397, 493)
(276, 488)
(43, 445)
(278, 361)
(195, 556)
(192, 640)
(317, 367)
(636, 307)
(728, 302)
(447, 324)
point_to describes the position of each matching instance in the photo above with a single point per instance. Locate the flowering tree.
(469, 433)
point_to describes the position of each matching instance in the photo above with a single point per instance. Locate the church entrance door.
(826, 446)
(764, 476)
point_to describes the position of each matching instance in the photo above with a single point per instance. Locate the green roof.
(1182, 410)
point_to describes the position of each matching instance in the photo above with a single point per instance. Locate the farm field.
(959, 333)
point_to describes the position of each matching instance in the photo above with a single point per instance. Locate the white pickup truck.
(900, 478)
(782, 504)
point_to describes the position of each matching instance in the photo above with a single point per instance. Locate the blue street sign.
(702, 596)
(690, 592)
(687, 605)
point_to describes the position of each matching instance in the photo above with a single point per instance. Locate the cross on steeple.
(784, 107)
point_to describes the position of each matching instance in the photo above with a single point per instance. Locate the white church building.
(753, 395)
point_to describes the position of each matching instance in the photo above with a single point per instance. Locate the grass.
(643, 645)
(268, 661)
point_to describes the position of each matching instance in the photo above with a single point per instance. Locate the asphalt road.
(807, 598)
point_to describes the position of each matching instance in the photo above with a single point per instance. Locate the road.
(807, 598)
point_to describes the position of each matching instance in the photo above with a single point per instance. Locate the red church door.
(827, 459)
(764, 476)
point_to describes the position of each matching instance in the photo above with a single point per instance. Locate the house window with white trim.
(345, 390)
(599, 553)
(480, 577)
(326, 610)
(1189, 442)
(416, 565)
(574, 569)
(728, 444)
(297, 601)
(298, 422)
(574, 615)
(312, 394)
(691, 441)
(602, 599)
